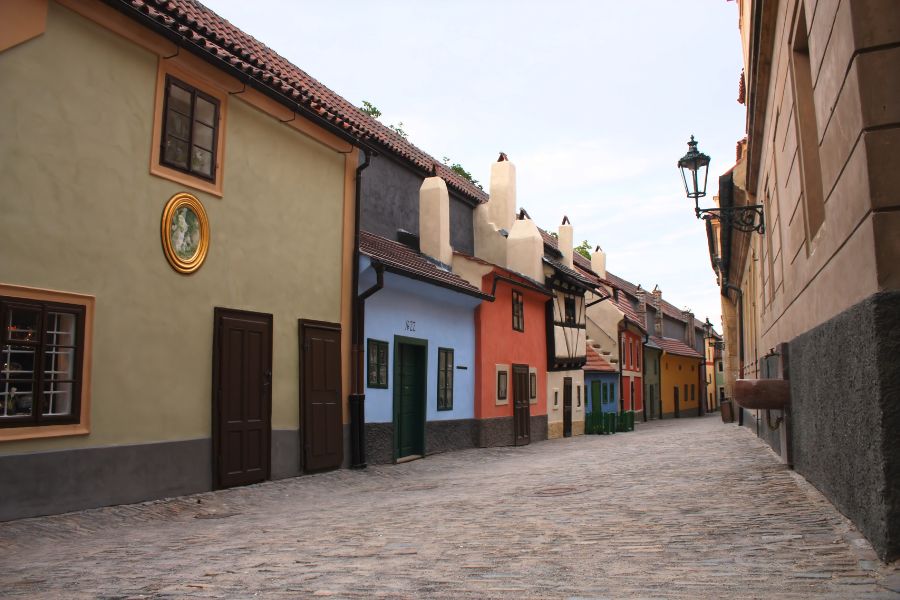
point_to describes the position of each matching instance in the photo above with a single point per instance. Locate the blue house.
(601, 380)
(420, 340)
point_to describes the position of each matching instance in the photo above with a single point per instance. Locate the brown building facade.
(815, 299)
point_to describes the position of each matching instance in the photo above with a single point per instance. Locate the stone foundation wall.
(845, 406)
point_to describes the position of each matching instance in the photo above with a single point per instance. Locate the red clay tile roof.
(673, 346)
(212, 37)
(405, 261)
(625, 306)
(596, 362)
(622, 284)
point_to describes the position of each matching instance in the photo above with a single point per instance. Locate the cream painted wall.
(81, 213)
(554, 384)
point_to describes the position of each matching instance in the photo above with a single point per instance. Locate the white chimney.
(525, 248)
(502, 201)
(598, 262)
(434, 220)
(565, 242)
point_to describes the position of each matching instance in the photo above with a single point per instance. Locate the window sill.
(37, 432)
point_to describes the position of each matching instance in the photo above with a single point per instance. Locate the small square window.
(502, 381)
(377, 364)
(41, 362)
(189, 130)
(518, 311)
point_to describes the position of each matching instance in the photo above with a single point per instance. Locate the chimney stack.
(657, 304)
(598, 262)
(525, 249)
(434, 220)
(502, 202)
(565, 242)
(642, 305)
(689, 332)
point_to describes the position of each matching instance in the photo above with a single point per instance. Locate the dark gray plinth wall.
(845, 415)
(46, 483)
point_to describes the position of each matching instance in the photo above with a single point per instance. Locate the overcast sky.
(592, 101)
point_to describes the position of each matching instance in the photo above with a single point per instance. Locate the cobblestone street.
(690, 508)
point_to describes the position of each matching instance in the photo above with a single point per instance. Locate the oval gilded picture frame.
(185, 232)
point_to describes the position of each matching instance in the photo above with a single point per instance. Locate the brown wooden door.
(567, 407)
(521, 405)
(242, 403)
(320, 395)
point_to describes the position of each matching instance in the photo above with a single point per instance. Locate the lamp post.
(694, 170)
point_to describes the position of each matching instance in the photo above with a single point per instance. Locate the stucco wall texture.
(409, 308)
(499, 344)
(679, 371)
(81, 213)
(845, 396)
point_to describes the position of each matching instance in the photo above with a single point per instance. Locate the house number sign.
(410, 326)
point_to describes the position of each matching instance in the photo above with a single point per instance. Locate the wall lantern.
(694, 168)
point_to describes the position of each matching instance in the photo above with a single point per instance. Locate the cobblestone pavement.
(691, 508)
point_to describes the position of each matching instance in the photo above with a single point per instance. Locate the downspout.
(740, 295)
(357, 397)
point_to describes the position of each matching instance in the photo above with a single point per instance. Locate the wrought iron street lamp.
(694, 170)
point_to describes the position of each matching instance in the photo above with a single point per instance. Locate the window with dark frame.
(445, 379)
(570, 309)
(502, 381)
(377, 364)
(190, 130)
(532, 392)
(41, 357)
(518, 309)
(578, 389)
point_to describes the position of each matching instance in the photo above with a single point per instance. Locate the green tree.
(370, 109)
(584, 249)
(462, 172)
(398, 129)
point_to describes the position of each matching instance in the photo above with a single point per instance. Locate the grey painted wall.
(389, 198)
(673, 328)
(845, 397)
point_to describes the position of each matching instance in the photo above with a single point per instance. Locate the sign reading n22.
(410, 326)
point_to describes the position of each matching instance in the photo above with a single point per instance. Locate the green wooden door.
(595, 397)
(409, 400)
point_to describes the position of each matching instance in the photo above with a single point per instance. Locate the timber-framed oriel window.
(518, 311)
(41, 362)
(190, 130)
(445, 379)
(569, 306)
(377, 364)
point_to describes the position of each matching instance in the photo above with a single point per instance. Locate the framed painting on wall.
(185, 233)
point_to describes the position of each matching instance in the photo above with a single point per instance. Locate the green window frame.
(604, 389)
(518, 311)
(377, 364)
(445, 379)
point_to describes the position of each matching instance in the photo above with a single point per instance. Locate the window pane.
(201, 161)
(533, 386)
(203, 136)
(57, 399)
(15, 398)
(382, 374)
(60, 329)
(205, 112)
(59, 363)
(22, 325)
(17, 362)
(179, 99)
(501, 385)
(176, 152)
(178, 125)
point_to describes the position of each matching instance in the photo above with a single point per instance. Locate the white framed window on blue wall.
(445, 379)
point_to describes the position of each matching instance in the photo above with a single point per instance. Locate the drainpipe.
(740, 294)
(357, 397)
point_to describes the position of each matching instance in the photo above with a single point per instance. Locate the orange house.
(510, 356)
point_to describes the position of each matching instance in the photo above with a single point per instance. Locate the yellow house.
(177, 249)
(680, 378)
